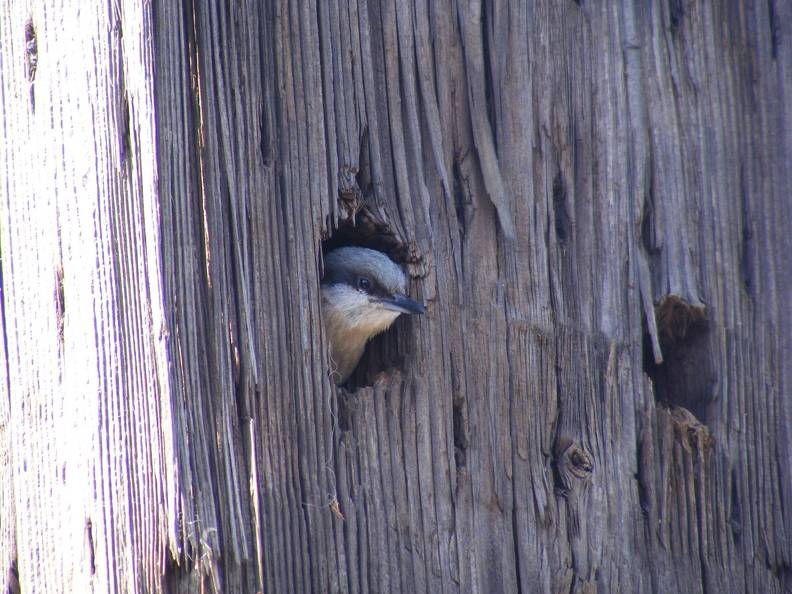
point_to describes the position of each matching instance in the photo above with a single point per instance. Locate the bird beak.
(403, 304)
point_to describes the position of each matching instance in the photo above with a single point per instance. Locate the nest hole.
(385, 352)
(363, 230)
(686, 377)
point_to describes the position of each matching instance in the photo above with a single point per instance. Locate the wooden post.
(592, 198)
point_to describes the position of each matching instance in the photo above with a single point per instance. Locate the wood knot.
(572, 475)
(581, 465)
(574, 466)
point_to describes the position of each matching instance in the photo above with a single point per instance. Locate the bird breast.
(351, 320)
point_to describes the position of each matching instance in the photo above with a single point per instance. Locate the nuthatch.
(363, 292)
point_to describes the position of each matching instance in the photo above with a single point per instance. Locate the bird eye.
(364, 284)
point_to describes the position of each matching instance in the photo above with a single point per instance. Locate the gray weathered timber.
(594, 199)
(88, 475)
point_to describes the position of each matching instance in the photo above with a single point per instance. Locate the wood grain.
(593, 199)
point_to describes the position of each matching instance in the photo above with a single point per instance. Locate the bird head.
(363, 292)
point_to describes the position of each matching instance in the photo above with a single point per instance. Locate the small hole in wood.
(365, 231)
(563, 221)
(686, 378)
(91, 547)
(60, 302)
(460, 433)
(385, 352)
(13, 578)
(31, 59)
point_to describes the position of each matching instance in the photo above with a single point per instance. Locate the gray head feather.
(342, 264)
(363, 292)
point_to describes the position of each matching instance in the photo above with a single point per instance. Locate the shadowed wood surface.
(593, 200)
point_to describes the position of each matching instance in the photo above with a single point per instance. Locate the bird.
(363, 292)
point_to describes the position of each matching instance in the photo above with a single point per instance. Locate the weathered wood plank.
(87, 460)
(592, 199)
